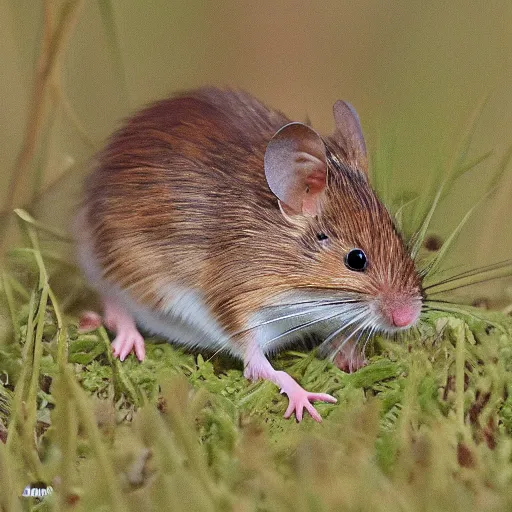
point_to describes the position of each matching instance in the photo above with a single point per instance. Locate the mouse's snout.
(399, 313)
(405, 316)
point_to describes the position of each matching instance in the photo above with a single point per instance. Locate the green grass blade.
(55, 233)
(62, 353)
(420, 235)
(86, 417)
(9, 500)
(434, 264)
(502, 167)
(11, 304)
(457, 167)
(398, 215)
(109, 24)
(473, 163)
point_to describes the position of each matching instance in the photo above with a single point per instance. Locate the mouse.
(220, 224)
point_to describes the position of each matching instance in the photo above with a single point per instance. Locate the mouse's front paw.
(301, 399)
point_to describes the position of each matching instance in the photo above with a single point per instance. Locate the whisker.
(346, 326)
(285, 317)
(302, 326)
(289, 315)
(369, 336)
(323, 302)
(364, 332)
(465, 285)
(460, 311)
(363, 328)
(341, 329)
(470, 273)
(427, 300)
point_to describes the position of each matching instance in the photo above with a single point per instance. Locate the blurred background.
(415, 71)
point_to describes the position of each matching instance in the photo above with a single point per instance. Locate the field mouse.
(219, 224)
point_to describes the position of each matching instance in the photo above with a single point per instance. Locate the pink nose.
(404, 316)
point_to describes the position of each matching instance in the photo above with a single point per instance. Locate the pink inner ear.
(316, 181)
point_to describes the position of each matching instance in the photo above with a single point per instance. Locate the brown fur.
(179, 196)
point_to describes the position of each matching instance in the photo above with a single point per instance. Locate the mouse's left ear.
(296, 169)
(349, 135)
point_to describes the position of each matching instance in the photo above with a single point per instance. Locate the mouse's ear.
(349, 136)
(296, 169)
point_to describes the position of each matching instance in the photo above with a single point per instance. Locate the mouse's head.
(349, 243)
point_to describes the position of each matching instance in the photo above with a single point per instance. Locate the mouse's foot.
(351, 362)
(127, 338)
(346, 355)
(300, 399)
(258, 367)
(127, 341)
(89, 321)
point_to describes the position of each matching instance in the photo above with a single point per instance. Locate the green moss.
(427, 425)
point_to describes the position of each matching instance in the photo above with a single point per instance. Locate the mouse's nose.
(404, 316)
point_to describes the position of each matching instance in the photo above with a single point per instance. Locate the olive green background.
(414, 71)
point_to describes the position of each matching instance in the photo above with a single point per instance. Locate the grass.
(427, 425)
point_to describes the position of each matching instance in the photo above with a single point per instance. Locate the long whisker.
(470, 273)
(320, 302)
(303, 326)
(364, 332)
(292, 315)
(336, 332)
(482, 268)
(465, 285)
(363, 328)
(443, 301)
(460, 311)
(284, 317)
(369, 336)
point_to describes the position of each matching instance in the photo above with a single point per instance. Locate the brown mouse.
(217, 223)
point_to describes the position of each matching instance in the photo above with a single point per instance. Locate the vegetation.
(427, 425)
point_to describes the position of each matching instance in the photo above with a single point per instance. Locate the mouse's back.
(167, 183)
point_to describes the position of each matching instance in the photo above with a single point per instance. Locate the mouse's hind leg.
(117, 319)
(89, 321)
(128, 337)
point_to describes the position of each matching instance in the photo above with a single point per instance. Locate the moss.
(427, 425)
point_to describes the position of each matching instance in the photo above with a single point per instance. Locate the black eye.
(356, 260)
(321, 236)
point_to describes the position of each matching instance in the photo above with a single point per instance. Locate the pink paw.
(350, 363)
(301, 399)
(126, 341)
(89, 321)
(348, 357)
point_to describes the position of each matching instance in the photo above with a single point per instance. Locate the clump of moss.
(427, 425)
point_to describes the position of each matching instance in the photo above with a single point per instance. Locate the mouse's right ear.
(349, 136)
(296, 169)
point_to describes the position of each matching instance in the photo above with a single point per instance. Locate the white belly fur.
(184, 317)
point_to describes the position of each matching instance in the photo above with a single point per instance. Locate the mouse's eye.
(356, 260)
(321, 237)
